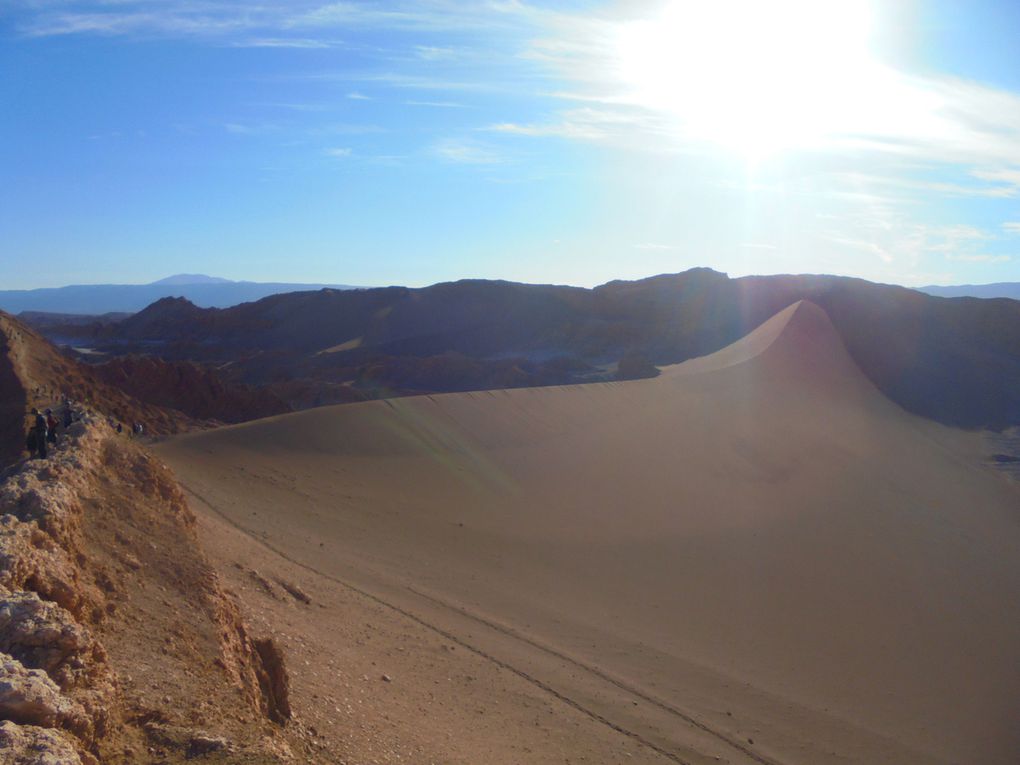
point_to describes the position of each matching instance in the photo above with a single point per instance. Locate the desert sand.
(752, 558)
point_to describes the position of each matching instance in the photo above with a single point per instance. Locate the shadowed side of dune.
(763, 514)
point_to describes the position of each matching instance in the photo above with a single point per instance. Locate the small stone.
(203, 744)
(387, 678)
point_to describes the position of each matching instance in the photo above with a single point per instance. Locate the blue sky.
(568, 142)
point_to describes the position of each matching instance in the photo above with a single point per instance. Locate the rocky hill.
(164, 397)
(35, 374)
(117, 642)
(187, 387)
(953, 360)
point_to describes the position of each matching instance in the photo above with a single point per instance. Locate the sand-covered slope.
(755, 556)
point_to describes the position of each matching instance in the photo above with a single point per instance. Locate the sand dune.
(755, 556)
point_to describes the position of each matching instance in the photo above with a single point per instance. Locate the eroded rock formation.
(112, 622)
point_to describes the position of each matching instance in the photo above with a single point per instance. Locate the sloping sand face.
(755, 556)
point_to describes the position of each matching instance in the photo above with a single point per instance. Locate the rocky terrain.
(189, 388)
(35, 374)
(117, 642)
(164, 397)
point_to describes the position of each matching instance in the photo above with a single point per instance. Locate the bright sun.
(756, 76)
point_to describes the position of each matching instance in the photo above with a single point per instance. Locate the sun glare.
(759, 77)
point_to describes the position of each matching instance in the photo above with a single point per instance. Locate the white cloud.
(435, 53)
(467, 153)
(342, 152)
(618, 127)
(178, 19)
(654, 246)
(282, 42)
(437, 15)
(1011, 227)
(209, 18)
(356, 96)
(1007, 175)
(951, 238)
(437, 104)
(238, 128)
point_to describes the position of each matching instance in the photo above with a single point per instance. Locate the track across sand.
(509, 633)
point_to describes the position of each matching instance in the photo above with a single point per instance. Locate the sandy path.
(754, 557)
(446, 700)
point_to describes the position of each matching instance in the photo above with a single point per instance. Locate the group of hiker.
(42, 430)
(136, 430)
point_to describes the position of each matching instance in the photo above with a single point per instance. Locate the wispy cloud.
(411, 81)
(894, 237)
(436, 15)
(437, 104)
(1006, 175)
(467, 153)
(206, 18)
(355, 95)
(1011, 227)
(238, 128)
(435, 53)
(619, 127)
(177, 19)
(951, 239)
(282, 42)
(342, 152)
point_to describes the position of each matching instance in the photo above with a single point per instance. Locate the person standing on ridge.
(30, 441)
(51, 427)
(40, 434)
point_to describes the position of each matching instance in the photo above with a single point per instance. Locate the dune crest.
(799, 343)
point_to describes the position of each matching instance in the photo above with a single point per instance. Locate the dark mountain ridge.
(953, 360)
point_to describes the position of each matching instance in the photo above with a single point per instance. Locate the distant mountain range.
(956, 361)
(215, 292)
(204, 291)
(997, 290)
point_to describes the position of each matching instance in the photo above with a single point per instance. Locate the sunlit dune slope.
(758, 538)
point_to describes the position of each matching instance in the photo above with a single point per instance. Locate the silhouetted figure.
(40, 434)
(68, 415)
(120, 428)
(51, 427)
